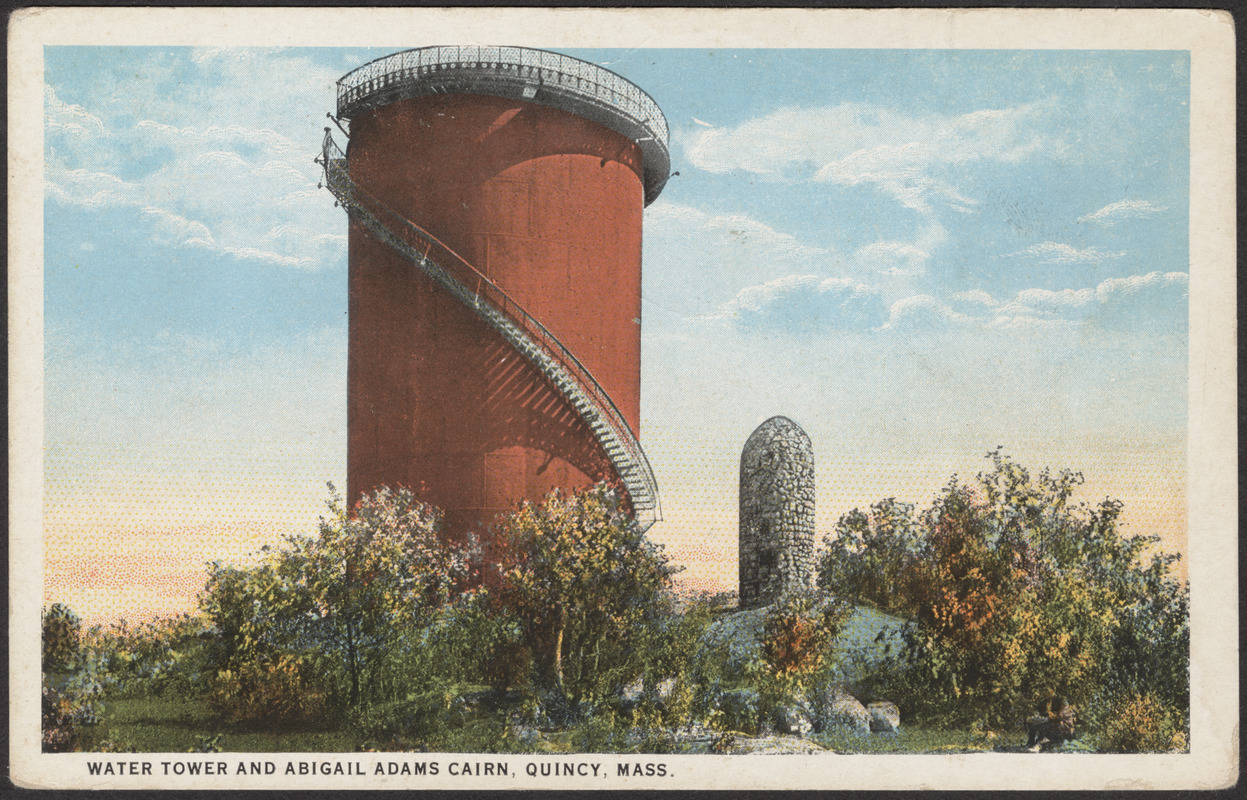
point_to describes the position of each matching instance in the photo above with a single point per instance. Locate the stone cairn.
(776, 513)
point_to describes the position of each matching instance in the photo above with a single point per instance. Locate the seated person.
(1054, 724)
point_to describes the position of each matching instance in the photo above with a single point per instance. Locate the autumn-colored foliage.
(1141, 723)
(1014, 591)
(278, 691)
(1009, 591)
(797, 636)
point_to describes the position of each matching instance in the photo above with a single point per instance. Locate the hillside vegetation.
(564, 634)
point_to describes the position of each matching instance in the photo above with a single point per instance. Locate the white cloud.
(1057, 253)
(1113, 213)
(900, 172)
(288, 231)
(266, 138)
(253, 254)
(696, 261)
(70, 119)
(975, 298)
(901, 258)
(905, 156)
(806, 303)
(923, 312)
(177, 230)
(1048, 299)
(216, 161)
(82, 187)
(892, 251)
(1156, 300)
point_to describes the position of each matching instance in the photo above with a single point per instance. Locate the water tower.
(495, 197)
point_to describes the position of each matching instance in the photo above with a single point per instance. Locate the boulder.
(792, 721)
(840, 711)
(771, 745)
(884, 716)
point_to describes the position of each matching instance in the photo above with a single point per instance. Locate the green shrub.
(669, 653)
(1141, 723)
(159, 657)
(62, 638)
(72, 704)
(600, 733)
(738, 710)
(366, 586)
(280, 692)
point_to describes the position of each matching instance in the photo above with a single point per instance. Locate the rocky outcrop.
(836, 710)
(885, 717)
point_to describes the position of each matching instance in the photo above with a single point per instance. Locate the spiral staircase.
(520, 329)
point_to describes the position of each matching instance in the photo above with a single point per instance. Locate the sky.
(917, 255)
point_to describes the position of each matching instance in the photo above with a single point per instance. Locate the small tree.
(347, 594)
(870, 554)
(585, 583)
(372, 572)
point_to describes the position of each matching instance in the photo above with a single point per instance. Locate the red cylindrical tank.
(547, 205)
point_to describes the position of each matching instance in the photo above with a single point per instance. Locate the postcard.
(622, 399)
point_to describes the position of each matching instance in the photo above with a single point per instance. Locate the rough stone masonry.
(776, 513)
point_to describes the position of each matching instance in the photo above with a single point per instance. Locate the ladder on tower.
(519, 328)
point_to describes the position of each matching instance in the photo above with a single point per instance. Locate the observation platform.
(520, 73)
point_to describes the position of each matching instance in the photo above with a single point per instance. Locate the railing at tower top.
(538, 76)
(570, 74)
(475, 289)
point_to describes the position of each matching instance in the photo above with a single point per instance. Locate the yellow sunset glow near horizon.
(124, 543)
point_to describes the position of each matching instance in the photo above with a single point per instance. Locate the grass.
(173, 725)
(918, 740)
